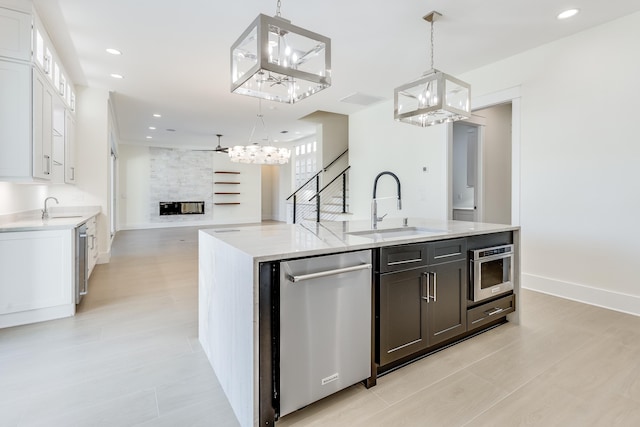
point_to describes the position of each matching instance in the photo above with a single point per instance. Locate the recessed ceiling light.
(171, 130)
(157, 115)
(117, 76)
(113, 51)
(568, 13)
(152, 128)
(149, 137)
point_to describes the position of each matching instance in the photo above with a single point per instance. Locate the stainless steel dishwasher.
(325, 326)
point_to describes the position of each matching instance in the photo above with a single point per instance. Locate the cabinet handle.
(435, 286)
(422, 286)
(47, 64)
(47, 165)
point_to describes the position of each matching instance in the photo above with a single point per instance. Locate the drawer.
(447, 251)
(396, 258)
(488, 312)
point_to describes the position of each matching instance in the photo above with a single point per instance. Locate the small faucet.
(375, 219)
(45, 212)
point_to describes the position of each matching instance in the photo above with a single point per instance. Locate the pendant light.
(278, 61)
(435, 97)
(255, 153)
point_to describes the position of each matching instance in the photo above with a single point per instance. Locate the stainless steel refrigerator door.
(325, 326)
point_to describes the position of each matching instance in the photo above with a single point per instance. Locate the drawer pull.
(494, 311)
(447, 255)
(406, 261)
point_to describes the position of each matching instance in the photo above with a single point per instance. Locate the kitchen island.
(232, 328)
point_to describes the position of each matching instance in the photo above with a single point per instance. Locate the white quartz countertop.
(286, 241)
(61, 218)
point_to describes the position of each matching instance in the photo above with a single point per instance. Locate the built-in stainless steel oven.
(491, 272)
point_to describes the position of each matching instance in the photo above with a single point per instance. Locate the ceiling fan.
(218, 149)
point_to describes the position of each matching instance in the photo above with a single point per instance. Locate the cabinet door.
(70, 149)
(402, 314)
(42, 127)
(15, 34)
(447, 311)
(15, 119)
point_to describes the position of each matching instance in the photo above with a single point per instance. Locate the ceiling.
(175, 57)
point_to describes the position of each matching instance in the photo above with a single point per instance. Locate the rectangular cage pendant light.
(434, 98)
(278, 61)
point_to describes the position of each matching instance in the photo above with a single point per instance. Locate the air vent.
(361, 99)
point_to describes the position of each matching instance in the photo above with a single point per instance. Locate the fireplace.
(181, 208)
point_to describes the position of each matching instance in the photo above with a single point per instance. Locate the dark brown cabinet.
(402, 314)
(423, 306)
(447, 306)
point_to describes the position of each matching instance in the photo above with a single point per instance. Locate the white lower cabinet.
(37, 278)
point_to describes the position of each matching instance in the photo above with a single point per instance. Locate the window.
(305, 162)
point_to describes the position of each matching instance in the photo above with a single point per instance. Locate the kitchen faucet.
(45, 212)
(375, 219)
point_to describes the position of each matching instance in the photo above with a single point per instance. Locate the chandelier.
(255, 153)
(435, 97)
(278, 61)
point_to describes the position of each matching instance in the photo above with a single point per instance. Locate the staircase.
(312, 202)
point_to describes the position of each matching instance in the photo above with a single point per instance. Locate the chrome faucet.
(375, 219)
(45, 212)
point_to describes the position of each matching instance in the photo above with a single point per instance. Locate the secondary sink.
(390, 233)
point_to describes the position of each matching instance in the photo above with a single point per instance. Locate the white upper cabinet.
(42, 128)
(15, 116)
(70, 149)
(33, 85)
(15, 34)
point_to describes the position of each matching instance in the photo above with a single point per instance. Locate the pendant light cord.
(260, 118)
(278, 8)
(432, 48)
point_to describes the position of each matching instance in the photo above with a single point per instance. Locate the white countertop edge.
(64, 217)
(286, 241)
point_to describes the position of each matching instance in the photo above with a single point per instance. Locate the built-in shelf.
(226, 193)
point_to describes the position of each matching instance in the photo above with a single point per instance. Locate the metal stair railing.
(304, 209)
(334, 189)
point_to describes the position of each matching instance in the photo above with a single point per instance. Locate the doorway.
(481, 158)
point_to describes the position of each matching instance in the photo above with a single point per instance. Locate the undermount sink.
(390, 233)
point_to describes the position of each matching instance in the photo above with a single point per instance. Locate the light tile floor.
(131, 357)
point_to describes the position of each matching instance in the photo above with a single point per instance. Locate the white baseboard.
(599, 297)
(36, 315)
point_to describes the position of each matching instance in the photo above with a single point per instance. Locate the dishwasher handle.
(309, 276)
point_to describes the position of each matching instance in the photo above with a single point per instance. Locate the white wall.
(496, 164)
(135, 182)
(378, 143)
(579, 162)
(16, 198)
